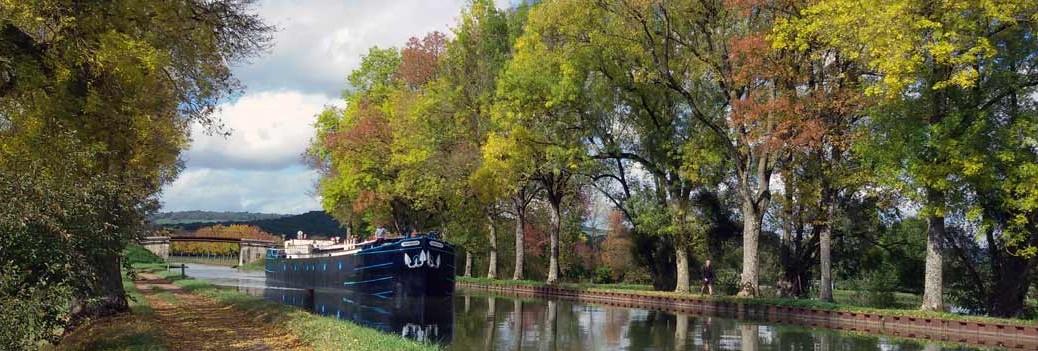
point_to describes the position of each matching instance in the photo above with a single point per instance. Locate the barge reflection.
(425, 319)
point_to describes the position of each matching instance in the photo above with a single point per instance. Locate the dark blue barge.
(384, 269)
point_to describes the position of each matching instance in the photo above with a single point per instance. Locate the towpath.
(193, 322)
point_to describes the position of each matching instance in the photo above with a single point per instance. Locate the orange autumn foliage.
(235, 231)
(419, 59)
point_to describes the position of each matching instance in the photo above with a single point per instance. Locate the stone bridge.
(249, 250)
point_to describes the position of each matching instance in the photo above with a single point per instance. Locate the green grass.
(138, 254)
(259, 265)
(323, 333)
(901, 300)
(906, 299)
(138, 305)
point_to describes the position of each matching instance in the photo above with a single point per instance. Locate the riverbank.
(644, 290)
(168, 311)
(255, 266)
(322, 333)
(975, 330)
(136, 330)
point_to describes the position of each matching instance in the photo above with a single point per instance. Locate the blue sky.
(258, 167)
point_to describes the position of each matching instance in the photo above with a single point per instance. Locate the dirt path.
(192, 322)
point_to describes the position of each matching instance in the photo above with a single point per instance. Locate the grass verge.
(323, 333)
(785, 302)
(132, 331)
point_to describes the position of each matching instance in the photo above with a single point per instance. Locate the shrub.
(875, 288)
(603, 275)
(726, 281)
(30, 314)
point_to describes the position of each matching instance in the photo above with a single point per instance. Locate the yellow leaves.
(972, 166)
(899, 38)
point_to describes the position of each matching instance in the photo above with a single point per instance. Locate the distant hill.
(312, 223)
(165, 218)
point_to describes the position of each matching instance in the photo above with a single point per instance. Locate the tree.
(379, 155)
(539, 104)
(628, 123)
(474, 59)
(98, 97)
(823, 111)
(618, 249)
(926, 53)
(683, 64)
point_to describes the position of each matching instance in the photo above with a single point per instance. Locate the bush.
(726, 281)
(30, 314)
(875, 289)
(603, 275)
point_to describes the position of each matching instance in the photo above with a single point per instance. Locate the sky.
(258, 168)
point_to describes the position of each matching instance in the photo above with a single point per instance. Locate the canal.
(474, 320)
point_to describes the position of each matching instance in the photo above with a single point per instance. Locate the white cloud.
(319, 41)
(269, 130)
(258, 168)
(283, 191)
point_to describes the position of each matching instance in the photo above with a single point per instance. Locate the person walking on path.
(708, 278)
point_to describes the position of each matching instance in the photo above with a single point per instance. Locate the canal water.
(483, 321)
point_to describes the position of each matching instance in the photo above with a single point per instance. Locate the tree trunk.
(750, 239)
(520, 221)
(491, 324)
(517, 310)
(105, 295)
(1012, 280)
(680, 331)
(933, 289)
(933, 283)
(552, 325)
(750, 337)
(684, 281)
(1007, 299)
(468, 263)
(825, 289)
(790, 255)
(553, 243)
(825, 342)
(492, 270)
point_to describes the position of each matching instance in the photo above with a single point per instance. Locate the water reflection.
(484, 321)
(423, 319)
(509, 323)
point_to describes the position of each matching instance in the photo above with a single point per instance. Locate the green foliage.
(727, 281)
(30, 313)
(875, 289)
(680, 111)
(95, 104)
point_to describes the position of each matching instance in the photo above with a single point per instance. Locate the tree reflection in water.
(538, 324)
